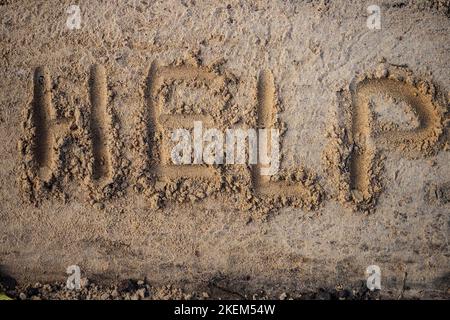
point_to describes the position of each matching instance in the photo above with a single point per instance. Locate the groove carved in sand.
(47, 127)
(100, 124)
(42, 116)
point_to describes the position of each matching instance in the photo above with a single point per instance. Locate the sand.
(86, 117)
